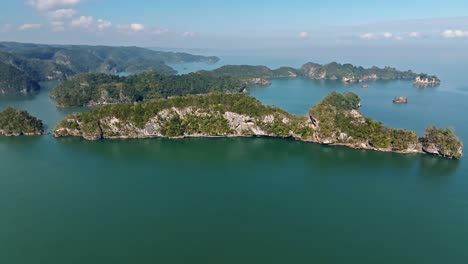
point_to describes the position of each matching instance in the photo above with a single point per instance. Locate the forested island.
(336, 120)
(102, 89)
(23, 66)
(347, 73)
(15, 122)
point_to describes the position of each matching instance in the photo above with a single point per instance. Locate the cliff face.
(334, 121)
(184, 122)
(213, 115)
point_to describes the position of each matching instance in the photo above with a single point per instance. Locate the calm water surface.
(241, 200)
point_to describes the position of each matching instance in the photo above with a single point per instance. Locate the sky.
(240, 24)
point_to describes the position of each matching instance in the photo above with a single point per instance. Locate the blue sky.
(235, 24)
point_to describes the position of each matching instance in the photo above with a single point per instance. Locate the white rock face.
(243, 124)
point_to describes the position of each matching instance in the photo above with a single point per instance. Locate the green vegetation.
(88, 89)
(339, 71)
(36, 63)
(335, 120)
(248, 71)
(13, 80)
(443, 140)
(341, 123)
(205, 117)
(331, 71)
(17, 122)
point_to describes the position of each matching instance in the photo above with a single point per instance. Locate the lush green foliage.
(338, 113)
(336, 70)
(248, 71)
(107, 89)
(443, 139)
(13, 80)
(17, 122)
(53, 62)
(214, 105)
(311, 70)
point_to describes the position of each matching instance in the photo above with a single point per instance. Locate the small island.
(400, 100)
(336, 120)
(426, 80)
(14, 122)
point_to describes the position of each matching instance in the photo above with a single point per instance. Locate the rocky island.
(347, 73)
(400, 100)
(426, 80)
(14, 122)
(336, 120)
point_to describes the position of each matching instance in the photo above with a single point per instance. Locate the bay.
(251, 200)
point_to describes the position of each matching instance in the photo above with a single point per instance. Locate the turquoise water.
(241, 200)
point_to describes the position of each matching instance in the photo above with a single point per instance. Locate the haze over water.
(251, 200)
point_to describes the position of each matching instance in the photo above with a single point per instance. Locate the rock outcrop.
(426, 80)
(258, 81)
(400, 100)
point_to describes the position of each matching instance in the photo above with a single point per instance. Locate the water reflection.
(324, 160)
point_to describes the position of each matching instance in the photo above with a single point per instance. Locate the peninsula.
(336, 120)
(23, 66)
(346, 73)
(102, 89)
(15, 122)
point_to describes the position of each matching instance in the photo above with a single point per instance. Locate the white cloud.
(454, 33)
(103, 24)
(29, 27)
(369, 36)
(381, 35)
(303, 35)
(6, 28)
(82, 22)
(50, 4)
(188, 34)
(137, 27)
(61, 13)
(387, 35)
(415, 35)
(57, 26)
(134, 27)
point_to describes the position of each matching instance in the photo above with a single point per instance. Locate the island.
(336, 120)
(15, 122)
(255, 75)
(25, 65)
(93, 89)
(347, 73)
(400, 100)
(426, 80)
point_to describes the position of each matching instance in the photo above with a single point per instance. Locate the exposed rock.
(425, 80)
(258, 81)
(343, 125)
(400, 100)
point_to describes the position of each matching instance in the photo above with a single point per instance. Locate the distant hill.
(332, 71)
(101, 89)
(37, 62)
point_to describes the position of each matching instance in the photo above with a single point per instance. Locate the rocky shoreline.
(190, 121)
